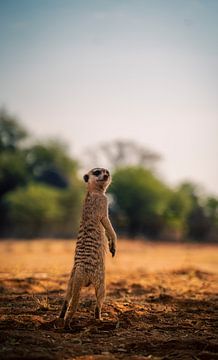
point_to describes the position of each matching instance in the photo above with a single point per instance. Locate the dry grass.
(55, 257)
(42, 303)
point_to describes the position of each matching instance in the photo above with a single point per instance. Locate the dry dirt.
(162, 303)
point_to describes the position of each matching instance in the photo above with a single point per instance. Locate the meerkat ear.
(86, 178)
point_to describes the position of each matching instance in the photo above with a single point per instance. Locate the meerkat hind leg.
(100, 296)
(63, 309)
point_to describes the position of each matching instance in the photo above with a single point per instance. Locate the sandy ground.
(162, 303)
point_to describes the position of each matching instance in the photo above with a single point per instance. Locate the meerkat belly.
(90, 247)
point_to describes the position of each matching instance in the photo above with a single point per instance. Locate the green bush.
(177, 209)
(140, 201)
(71, 205)
(40, 210)
(34, 210)
(51, 164)
(12, 133)
(13, 171)
(144, 205)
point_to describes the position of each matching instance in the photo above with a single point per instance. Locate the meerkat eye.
(96, 172)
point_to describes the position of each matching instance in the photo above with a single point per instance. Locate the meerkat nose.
(105, 177)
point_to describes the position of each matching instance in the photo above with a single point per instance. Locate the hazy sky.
(96, 70)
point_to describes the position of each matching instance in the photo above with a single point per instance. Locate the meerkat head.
(97, 179)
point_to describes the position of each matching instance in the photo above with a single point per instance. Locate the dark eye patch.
(107, 172)
(96, 172)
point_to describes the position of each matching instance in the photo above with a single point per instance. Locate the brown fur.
(89, 260)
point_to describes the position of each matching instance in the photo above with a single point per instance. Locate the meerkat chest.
(91, 230)
(92, 209)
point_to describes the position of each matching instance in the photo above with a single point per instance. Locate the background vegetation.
(41, 191)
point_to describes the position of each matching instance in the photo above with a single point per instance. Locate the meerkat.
(89, 259)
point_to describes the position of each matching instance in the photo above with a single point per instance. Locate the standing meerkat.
(89, 260)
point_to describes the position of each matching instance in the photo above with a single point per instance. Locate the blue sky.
(94, 71)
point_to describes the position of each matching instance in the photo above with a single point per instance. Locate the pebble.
(121, 350)
(76, 341)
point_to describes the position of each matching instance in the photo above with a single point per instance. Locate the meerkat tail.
(67, 296)
(76, 287)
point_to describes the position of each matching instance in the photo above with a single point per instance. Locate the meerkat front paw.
(112, 250)
(112, 246)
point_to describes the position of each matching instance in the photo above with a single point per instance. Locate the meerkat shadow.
(93, 326)
(50, 324)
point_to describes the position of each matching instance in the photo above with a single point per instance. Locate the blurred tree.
(33, 210)
(40, 193)
(71, 206)
(50, 163)
(46, 163)
(140, 199)
(177, 209)
(120, 153)
(196, 220)
(211, 211)
(191, 190)
(11, 132)
(40, 210)
(13, 170)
